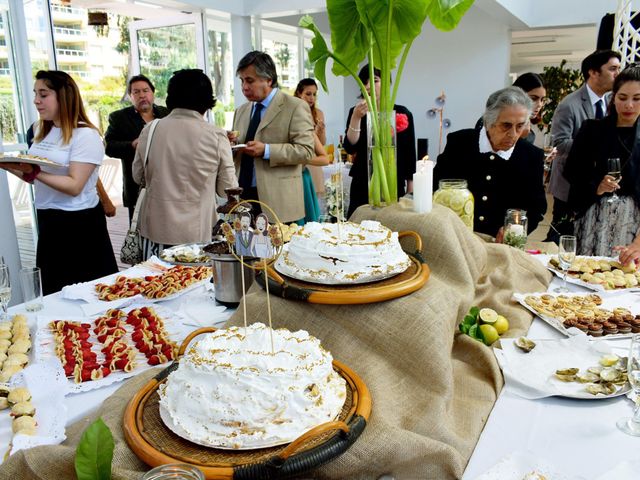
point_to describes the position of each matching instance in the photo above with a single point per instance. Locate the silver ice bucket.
(227, 279)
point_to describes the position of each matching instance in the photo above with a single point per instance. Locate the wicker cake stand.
(155, 444)
(402, 284)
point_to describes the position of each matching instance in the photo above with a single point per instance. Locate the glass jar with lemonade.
(454, 194)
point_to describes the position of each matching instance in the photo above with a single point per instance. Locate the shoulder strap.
(152, 129)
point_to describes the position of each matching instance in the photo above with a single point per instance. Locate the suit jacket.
(595, 143)
(124, 127)
(496, 184)
(287, 126)
(189, 162)
(574, 109)
(405, 159)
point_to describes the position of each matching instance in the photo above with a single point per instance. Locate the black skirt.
(73, 246)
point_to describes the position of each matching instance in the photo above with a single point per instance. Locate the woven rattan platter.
(412, 279)
(155, 444)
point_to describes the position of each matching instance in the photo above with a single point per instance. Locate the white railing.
(626, 38)
(69, 31)
(71, 53)
(70, 10)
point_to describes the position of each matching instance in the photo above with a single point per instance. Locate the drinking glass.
(5, 290)
(31, 282)
(566, 256)
(613, 169)
(631, 426)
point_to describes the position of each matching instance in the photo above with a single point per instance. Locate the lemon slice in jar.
(443, 197)
(457, 202)
(468, 207)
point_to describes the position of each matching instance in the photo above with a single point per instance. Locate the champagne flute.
(5, 290)
(566, 256)
(631, 426)
(614, 170)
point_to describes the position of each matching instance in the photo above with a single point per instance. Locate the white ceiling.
(533, 45)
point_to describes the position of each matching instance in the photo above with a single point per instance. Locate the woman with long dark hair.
(73, 241)
(606, 222)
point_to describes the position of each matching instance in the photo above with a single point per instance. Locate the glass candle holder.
(515, 228)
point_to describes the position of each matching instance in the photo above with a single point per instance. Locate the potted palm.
(379, 31)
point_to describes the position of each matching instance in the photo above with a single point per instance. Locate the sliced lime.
(488, 315)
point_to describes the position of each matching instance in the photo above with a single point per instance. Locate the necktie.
(246, 165)
(599, 109)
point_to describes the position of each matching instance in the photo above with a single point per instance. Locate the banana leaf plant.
(378, 31)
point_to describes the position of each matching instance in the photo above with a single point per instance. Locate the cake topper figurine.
(259, 242)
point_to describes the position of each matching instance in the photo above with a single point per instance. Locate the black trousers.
(73, 247)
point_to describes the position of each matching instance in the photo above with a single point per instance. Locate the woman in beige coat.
(189, 162)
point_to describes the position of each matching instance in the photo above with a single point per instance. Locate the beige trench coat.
(189, 162)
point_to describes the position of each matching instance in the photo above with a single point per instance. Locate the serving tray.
(155, 444)
(412, 279)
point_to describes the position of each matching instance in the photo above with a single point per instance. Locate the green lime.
(488, 315)
(489, 333)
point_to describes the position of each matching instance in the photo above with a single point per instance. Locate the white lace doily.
(48, 387)
(174, 322)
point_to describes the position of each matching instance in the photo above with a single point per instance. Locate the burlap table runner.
(432, 388)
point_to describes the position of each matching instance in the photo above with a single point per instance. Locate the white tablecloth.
(577, 437)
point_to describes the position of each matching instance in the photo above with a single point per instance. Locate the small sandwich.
(4, 344)
(22, 409)
(19, 359)
(5, 326)
(20, 346)
(4, 392)
(24, 425)
(8, 372)
(5, 334)
(20, 394)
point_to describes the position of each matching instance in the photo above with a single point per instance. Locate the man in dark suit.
(124, 129)
(589, 101)
(502, 170)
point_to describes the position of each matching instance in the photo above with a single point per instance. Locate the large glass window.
(222, 70)
(281, 42)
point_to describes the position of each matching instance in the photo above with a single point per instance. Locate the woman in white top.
(73, 242)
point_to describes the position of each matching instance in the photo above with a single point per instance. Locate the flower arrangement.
(379, 31)
(333, 188)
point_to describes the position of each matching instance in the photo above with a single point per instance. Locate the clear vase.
(381, 164)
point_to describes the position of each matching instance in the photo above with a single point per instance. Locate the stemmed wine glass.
(613, 165)
(5, 290)
(566, 256)
(631, 426)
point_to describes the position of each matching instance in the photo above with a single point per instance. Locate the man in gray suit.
(589, 101)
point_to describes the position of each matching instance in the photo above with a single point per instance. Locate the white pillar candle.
(423, 186)
(516, 229)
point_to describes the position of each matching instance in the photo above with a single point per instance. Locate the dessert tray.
(155, 444)
(400, 285)
(586, 309)
(32, 159)
(174, 329)
(93, 304)
(533, 375)
(190, 254)
(601, 274)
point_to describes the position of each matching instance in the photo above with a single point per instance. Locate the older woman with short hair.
(502, 170)
(189, 162)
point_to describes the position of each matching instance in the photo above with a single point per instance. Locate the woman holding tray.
(73, 242)
(605, 198)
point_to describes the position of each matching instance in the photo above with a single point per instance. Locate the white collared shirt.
(593, 98)
(485, 146)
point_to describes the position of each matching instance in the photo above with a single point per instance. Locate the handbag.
(131, 251)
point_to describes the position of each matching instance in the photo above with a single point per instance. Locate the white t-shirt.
(85, 147)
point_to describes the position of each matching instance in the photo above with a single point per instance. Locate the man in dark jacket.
(124, 129)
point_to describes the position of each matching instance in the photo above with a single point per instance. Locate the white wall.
(468, 63)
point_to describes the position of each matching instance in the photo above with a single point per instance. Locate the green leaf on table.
(95, 452)
(464, 328)
(470, 320)
(475, 311)
(473, 331)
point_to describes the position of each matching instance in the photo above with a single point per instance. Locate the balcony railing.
(69, 10)
(69, 31)
(71, 53)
